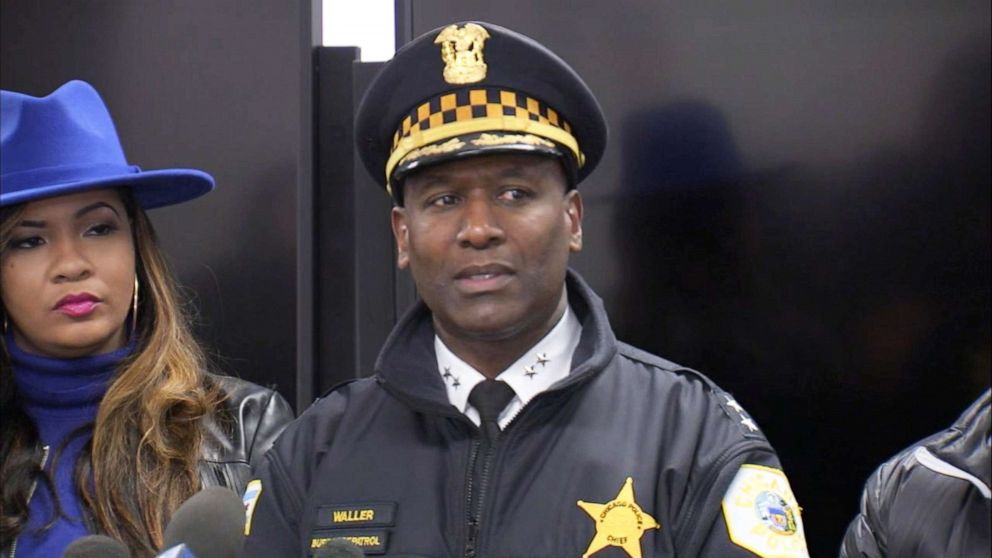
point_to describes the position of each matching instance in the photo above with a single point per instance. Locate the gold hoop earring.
(134, 307)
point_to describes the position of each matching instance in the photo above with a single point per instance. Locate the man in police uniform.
(504, 418)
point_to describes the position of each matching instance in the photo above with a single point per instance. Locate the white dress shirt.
(541, 366)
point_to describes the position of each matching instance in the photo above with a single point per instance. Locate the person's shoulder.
(317, 424)
(892, 496)
(955, 457)
(237, 389)
(340, 397)
(663, 373)
(651, 360)
(243, 399)
(686, 389)
(927, 490)
(889, 477)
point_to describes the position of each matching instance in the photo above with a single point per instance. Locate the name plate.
(374, 514)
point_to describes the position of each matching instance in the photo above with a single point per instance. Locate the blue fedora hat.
(66, 142)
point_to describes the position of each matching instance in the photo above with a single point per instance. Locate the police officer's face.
(487, 240)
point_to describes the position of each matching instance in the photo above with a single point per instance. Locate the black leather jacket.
(932, 499)
(234, 438)
(239, 434)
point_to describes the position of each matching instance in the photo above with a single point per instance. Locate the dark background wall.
(795, 201)
(222, 86)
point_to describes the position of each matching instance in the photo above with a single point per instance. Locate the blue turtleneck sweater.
(60, 396)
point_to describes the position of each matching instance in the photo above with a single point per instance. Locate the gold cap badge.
(461, 50)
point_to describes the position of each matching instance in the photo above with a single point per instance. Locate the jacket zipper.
(477, 490)
(471, 517)
(34, 485)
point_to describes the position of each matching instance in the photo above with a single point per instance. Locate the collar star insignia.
(455, 383)
(733, 404)
(447, 372)
(542, 359)
(529, 371)
(619, 522)
(749, 423)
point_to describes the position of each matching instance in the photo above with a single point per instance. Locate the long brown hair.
(143, 458)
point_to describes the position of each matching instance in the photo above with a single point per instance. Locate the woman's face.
(67, 275)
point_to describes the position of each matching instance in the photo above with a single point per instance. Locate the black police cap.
(475, 88)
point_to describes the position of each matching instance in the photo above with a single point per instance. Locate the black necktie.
(490, 397)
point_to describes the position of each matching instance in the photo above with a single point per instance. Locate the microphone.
(179, 551)
(210, 524)
(96, 546)
(339, 548)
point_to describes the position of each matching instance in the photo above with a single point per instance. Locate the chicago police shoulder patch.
(249, 499)
(762, 514)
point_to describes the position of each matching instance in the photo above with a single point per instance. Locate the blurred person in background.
(932, 499)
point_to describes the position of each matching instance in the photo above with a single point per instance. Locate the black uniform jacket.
(239, 433)
(932, 499)
(386, 462)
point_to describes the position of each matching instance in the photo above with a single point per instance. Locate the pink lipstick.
(77, 305)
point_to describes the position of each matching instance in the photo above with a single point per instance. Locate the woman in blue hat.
(109, 419)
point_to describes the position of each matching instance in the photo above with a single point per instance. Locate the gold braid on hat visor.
(471, 111)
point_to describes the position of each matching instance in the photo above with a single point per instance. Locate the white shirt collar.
(541, 366)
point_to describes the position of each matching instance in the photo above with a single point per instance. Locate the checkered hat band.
(471, 104)
(522, 130)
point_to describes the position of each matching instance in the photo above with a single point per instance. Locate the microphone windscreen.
(181, 551)
(96, 546)
(339, 548)
(211, 523)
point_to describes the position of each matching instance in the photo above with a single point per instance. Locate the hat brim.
(465, 146)
(151, 189)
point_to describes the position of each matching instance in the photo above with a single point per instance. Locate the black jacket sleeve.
(741, 504)
(861, 539)
(931, 499)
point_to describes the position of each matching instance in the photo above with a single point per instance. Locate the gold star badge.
(619, 522)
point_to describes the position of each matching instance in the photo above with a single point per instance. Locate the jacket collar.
(407, 364)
